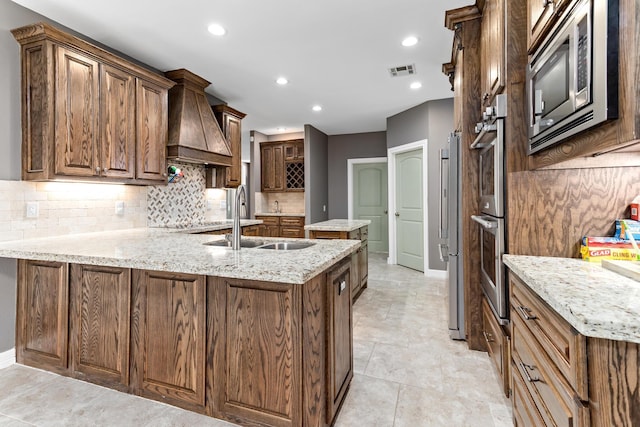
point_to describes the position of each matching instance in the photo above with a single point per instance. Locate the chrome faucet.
(277, 206)
(235, 230)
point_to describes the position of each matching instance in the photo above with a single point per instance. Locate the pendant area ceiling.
(336, 54)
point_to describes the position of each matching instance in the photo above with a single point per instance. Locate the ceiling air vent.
(402, 70)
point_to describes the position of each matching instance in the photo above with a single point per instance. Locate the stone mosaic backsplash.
(184, 202)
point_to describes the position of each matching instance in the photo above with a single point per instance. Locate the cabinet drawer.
(552, 394)
(563, 344)
(364, 233)
(291, 232)
(497, 343)
(269, 220)
(525, 412)
(296, 221)
(321, 234)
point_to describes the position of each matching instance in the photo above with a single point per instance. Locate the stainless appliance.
(451, 230)
(490, 141)
(492, 272)
(572, 79)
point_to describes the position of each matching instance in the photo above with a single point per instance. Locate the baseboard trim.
(7, 358)
(436, 274)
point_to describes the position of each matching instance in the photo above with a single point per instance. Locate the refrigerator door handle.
(444, 252)
(442, 215)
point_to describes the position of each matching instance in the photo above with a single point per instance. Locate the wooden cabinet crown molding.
(453, 17)
(42, 31)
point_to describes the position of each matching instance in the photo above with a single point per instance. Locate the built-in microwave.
(572, 79)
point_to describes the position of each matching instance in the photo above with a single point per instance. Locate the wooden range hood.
(194, 134)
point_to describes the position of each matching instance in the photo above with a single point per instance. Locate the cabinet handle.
(487, 337)
(546, 3)
(342, 286)
(526, 368)
(485, 96)
(98, 170)
(524, 312)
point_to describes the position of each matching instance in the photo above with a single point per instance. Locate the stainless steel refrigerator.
(451, 232)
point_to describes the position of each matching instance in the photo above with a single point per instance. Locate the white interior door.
(370, 201)
(409, 211)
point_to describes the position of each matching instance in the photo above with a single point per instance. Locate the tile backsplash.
(184, 202)
(289, 202)
(68, 208)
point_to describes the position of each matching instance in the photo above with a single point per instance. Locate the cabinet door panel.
(257, 357)
(42, 318)
(76, 114)
(340, 338)
(233, 131)
(169, 335)
(151, 129)
(117, 109)
(99, 322)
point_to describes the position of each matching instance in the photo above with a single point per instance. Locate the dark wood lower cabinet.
(42, 315)
(99, 324)
(256, 359)
(340, 339)
(252, 352)
(168, 337)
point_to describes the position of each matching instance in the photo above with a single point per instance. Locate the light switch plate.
(119, 207)
(33, 209)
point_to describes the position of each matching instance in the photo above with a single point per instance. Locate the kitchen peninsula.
(256, 336)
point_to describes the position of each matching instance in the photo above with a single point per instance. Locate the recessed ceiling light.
(281, 129)
(410, 41)
(317, 108)
(415, 85)
(282, 81)
(217, 30)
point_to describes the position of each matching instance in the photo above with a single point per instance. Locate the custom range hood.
(194, 134)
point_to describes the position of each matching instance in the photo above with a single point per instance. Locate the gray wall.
(432, 120)
(340, 149)
(315, 175)
(11, 16)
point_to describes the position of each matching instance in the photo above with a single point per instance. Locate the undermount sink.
(243, 243)
(286, 246)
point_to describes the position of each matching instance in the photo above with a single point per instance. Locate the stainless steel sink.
(244, 243)
(286, 246)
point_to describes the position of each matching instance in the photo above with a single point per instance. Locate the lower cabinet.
(498, 345)
(99, 313)
(250, 230)
(549, 363)
(340, 339)
(168, 337)
(42, 315)
(281, 226)
(250, 352)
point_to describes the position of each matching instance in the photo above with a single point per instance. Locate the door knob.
(386, 211)
(397, 214)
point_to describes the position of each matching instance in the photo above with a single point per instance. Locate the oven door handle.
(484, 222)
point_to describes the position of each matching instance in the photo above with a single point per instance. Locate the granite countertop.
(597, 302)
(214, 226)
(167, 250)
(278, 214)
(338, 225)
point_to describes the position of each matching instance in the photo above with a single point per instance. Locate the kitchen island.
(255, 336)
(575, 343)
(355, 229)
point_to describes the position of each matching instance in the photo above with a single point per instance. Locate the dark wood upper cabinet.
(492, 49)
(272, 162)
(282, 165)
(541, 16)
(84, 115)
(230, 121)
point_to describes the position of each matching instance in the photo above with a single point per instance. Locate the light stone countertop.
(166, 250)
(278, 214)
(338, 225)
(214, 226)
(597, 302)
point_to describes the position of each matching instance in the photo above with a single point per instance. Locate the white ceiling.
(335, 53)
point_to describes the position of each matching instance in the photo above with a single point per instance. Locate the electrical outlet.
(33, 210)
(324, 208)
(119, 207)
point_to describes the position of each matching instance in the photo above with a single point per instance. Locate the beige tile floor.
(407, 373)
